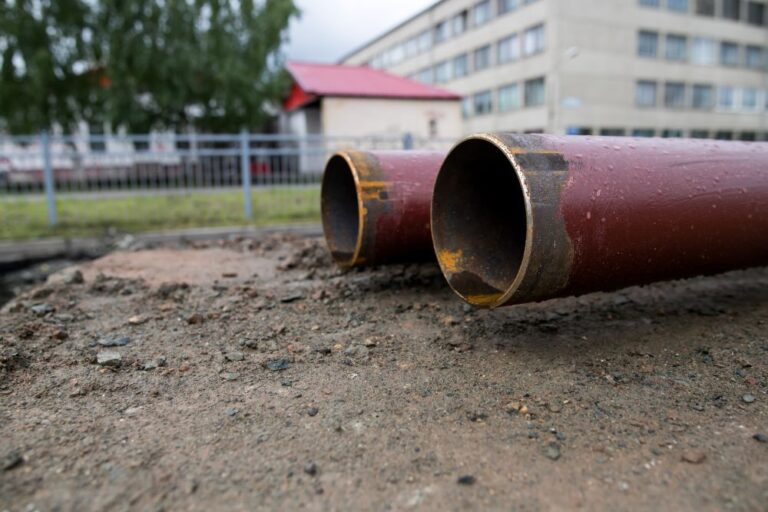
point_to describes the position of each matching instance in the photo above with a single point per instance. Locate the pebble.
(11, 460)
(132, 411)
(72, 277)
(114, 341)
(748, 399)
(234, 356)
(42, 309)
(195, 319)
(231, 375)
(760, 437)
(466, 480)
(109, 358)
(154, 364)
(231, 411)
(693, 456)
(554, 407)
(311, 469)
(312, 411)
(137, 320)
(552, 451)
(277, 365)
(293, 297)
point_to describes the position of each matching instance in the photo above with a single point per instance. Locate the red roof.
(359, 81)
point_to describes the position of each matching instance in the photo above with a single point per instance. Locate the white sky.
(329, 29)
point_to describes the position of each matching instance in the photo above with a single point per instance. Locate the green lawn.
(24, 218)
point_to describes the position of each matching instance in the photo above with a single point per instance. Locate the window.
(534, 40)
(432, 128)
(732, 9)
(425, 76)
(506, 6)
(508, 49)
(441, 32)
(749, 98)
(674, 95)
(748, 136)
(668, 134)
(724, 135)
(703, 96)
(442, 72)
(460, 66)
(412, 47)
(459, 23)
(481, 13)
(509, 98)
(483, 103)
(425, 41)
(729, 54)
(645, 93)
(755, 58)
(699, 134)
(482, 57)
(704, 51)
(649, 3)
(535, 92)
(756, 13)
(643, 132)
(612, 132)
(97, 141)
(578, 130)
(677, 47)
(705, 7)
(678, 5)
(726, 98)
(647, 43)
(466, 107)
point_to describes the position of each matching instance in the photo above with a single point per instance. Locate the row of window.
(701, 50)
(508, 49)
(513, 96)
(669, 133)
(750, 11)
(700, 96)
(454, 26)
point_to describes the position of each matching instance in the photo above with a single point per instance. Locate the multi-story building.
(672, 68)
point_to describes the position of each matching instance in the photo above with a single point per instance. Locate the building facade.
(673, 68)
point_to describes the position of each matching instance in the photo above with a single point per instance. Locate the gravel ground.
(253, 375)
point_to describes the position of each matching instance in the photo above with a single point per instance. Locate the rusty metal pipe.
(375, 206)
(523, 218)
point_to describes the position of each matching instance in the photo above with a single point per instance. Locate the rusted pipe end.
(481, 221)
(341, 205)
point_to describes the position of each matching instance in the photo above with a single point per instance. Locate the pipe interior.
(340, 210)
(479, 221)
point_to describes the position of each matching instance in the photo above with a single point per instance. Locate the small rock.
(554, 407)
(466, 480)
(137, 320)
(114, 341)
(311, 469)
(760, 438)
(231, 411)
(552, 451)
(195, 319)
(109, 358)
(231, 376)
(132, 411)
(60, 335)
(154, 364)
(11, 460)
(72, 276)
(475, 416)
(369, 342)
(293, 297)
(234, 356)
(693, 456)
(748, 399)
(312, 411)
(277, 365)
(448, 321)
(42, 309)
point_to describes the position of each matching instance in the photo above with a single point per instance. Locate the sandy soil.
(253, 375)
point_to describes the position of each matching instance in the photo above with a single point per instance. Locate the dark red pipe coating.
(521, 218)
(375, 206)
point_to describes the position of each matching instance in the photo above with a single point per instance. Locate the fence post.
(48, 180)
(245, 169)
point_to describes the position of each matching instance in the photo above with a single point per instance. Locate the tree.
(164, 64)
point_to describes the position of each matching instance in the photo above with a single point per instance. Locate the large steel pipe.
(522, 218)
(375, 206)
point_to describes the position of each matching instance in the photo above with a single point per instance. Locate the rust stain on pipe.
(375, 206)
(521, 218)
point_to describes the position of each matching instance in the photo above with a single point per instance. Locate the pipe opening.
(479, 221)
(340, 209)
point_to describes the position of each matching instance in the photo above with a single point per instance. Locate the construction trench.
(262, 373)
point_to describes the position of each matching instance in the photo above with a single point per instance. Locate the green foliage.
(143, 64)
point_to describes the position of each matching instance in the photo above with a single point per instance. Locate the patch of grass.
(26, 217)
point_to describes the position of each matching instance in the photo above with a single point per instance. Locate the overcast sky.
(329, 29)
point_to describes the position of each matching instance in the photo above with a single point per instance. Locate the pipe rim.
(522, 269)
(347, 158)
